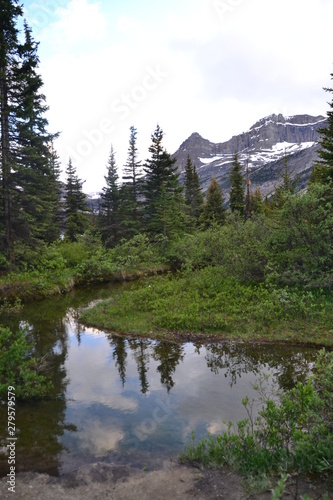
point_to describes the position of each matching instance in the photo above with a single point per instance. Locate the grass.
(204, 301)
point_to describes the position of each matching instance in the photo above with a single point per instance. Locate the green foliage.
(207, 301)
(130, 216)
(136, 253)
(8, 307)
(326, 142)
(19, 368)
(237, 193)
(75, 203)
(163, 205)
(238, 247)
(279, 489)
(286, 187)
(192, 190)
(289, 434)
(301, 246)
(256, 203)
(213, 210)
(108, 221)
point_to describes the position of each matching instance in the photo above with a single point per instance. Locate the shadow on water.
(131, 400)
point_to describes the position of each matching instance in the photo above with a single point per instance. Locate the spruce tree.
(237, 194)
(109, 204)
(323, 169)
(256, 203)
(27, 180)
(131, 190)
(75, 203)
(36, 177)
(192, 190)
(10, 11)
(287, 185)
(213, 209)
(57, 209)
(163, 205)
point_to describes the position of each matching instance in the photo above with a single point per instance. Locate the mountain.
(262, 148)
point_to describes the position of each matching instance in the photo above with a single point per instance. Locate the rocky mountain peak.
(263, 148)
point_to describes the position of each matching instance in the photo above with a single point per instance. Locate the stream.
(130, 400)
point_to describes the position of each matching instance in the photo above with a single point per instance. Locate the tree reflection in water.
(289, 363)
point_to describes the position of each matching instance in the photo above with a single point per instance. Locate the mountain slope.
(263, 148)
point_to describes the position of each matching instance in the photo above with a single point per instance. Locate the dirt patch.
(173, 481)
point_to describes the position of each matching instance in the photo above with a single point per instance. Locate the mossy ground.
(204, 303)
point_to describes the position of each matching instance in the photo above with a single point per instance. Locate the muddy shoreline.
(173, 481)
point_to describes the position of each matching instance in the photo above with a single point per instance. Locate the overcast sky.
(208, 66)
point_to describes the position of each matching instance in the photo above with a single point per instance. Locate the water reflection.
(132, 400)
(287, 361)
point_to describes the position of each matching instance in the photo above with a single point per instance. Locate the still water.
(130, 400)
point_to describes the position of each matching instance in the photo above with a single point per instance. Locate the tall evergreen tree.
(287, 185)
(131, 190)
(192, 190)
(237, 194)
(10, 11)
(76, 208)
(109, 205)
(213, 209)
(323, 169)
(256, 202)
(27, 180)
(35, 174)
(57, 209)
(163, 193)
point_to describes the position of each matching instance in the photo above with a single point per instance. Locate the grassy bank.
(63, 266)
(204, 301)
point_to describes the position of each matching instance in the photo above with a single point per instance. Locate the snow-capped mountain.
(262, 149)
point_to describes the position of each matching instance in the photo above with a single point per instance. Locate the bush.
(98, 267)
(239, 248)
(135, 253)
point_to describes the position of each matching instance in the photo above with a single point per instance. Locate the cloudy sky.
(208, 66)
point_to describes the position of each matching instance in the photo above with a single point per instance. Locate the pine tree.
(27, 180)
(56, 223)
(109, 205)
(35, 173)
(213, 209)
(256, 203)
(76, 208)
(192, 190)
(131, 190)
(287, 185)
(237, 195)
(10, 11)
(323, 169)
(163, 193)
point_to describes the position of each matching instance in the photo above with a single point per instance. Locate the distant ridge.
(263, 147)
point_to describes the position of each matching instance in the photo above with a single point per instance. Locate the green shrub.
(135, 253)
(99, 267)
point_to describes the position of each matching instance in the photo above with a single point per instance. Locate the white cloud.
(221, 73)
(79, 22)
